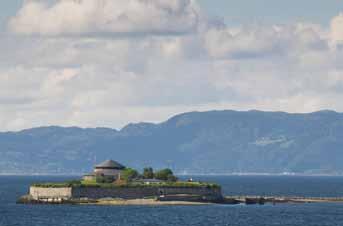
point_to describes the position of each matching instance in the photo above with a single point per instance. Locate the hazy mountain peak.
(196, 142)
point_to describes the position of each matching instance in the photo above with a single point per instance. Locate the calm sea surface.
(12, 214)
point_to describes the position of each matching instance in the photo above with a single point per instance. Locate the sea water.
(321, 214)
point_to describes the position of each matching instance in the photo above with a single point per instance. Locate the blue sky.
(111, 62)
(273, 11)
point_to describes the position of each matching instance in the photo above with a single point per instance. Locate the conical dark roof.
(110, 164)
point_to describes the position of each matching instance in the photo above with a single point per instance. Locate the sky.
(273, 11)
(107, 63)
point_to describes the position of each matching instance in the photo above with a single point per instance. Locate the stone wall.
(47, 193)
(189, 191)
(108, 172)
(124, 193)
(137, 193)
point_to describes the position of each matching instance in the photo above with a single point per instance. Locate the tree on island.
(148, 173)
(128, 174)
(166, 175)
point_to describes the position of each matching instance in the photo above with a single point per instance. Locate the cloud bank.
(109, 62)
(68, 17)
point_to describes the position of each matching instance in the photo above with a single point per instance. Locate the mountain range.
(213, 142)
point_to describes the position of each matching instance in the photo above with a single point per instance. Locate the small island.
(111, 183)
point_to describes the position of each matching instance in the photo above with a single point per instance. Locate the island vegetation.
(131, 178)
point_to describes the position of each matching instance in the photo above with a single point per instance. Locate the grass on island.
(83, 183)
(132, 179)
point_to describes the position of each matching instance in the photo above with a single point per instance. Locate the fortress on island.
(111, 183)
(109, 169)
(111, 180)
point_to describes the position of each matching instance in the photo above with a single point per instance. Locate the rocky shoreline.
(27, 199)
(228, 200)
(279, 200)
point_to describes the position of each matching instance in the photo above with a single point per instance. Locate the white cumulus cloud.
(337, 28)
(105, 16)
(262, 41)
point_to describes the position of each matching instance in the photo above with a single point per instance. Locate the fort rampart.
(47, 193)
(40, 193)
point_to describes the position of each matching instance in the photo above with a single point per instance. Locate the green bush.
(164, 174)
(129, 174)
(72, 183)
(148, 173)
